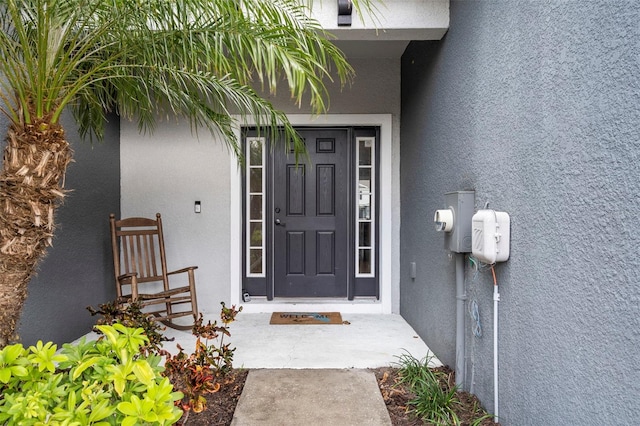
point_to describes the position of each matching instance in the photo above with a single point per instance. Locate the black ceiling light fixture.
(344, 13)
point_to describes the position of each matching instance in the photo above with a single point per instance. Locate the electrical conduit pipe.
(460, 315)
(496, 299)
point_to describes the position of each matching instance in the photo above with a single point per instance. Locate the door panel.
(325, 252)
(325, 192)
(310, 212)
(295, 190)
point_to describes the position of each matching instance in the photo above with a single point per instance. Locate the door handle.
(279, 222)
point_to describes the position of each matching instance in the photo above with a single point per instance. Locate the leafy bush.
(103, 382)
(131, 315)
(205, 370)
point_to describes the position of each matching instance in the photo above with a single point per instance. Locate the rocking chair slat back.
(140, 255)
(139, 259)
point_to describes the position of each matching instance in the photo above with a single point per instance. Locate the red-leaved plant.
(206, 369)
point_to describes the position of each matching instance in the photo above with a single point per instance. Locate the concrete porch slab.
(367, 341)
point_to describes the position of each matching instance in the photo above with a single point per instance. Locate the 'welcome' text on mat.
(306, 318)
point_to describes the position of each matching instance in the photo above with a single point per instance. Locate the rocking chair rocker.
(139, 263)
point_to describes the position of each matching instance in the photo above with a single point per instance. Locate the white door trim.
(360, 305)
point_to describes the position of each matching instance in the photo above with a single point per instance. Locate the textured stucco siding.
(536, 107)
(78, 270)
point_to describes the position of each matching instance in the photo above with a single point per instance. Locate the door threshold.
(361, 305)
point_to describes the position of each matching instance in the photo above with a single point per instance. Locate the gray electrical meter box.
(462, 204)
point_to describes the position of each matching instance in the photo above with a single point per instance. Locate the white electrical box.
(490, 236)
(443, 220)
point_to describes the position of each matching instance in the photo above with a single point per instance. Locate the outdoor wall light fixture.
(344, 13)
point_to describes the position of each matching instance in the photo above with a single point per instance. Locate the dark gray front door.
(310, 217)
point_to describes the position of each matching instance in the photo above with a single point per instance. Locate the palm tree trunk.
(31, 187)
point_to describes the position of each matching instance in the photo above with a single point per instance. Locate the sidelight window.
(255, 206)
(365, 211)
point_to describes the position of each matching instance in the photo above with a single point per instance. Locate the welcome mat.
(306, 318)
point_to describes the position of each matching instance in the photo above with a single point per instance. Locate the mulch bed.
(221, 405)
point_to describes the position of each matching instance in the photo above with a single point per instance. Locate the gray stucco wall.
(535, 106)
(78, 270)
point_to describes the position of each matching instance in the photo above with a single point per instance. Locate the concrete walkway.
(314, 374)
(311, 397)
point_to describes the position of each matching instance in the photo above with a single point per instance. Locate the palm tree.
(141, 59)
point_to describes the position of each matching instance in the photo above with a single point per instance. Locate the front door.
(310, 217)
(310, 227)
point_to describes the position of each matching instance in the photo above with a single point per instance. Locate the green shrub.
(103, 382)
(131, 315)
(436, 397)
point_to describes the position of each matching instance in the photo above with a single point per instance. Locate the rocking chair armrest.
(180, 271)
(127, 276)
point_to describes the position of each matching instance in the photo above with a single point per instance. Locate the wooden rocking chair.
(139, 263)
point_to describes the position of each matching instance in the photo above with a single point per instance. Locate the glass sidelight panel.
(255, 151)
(255, 207)
(256, 262)
(365, 215)
(364, 231)
(364, 261)
(255, 236)
(365, 148)
(255, 180)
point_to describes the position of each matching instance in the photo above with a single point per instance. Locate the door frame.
(386, 255)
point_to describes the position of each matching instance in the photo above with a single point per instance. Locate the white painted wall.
(168, 171)
(392, 20)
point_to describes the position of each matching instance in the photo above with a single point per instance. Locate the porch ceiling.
(372, 49)
(386, 35)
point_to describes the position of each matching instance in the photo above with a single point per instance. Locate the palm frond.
(201, 59)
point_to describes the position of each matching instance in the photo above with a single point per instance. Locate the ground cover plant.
(103, 382)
